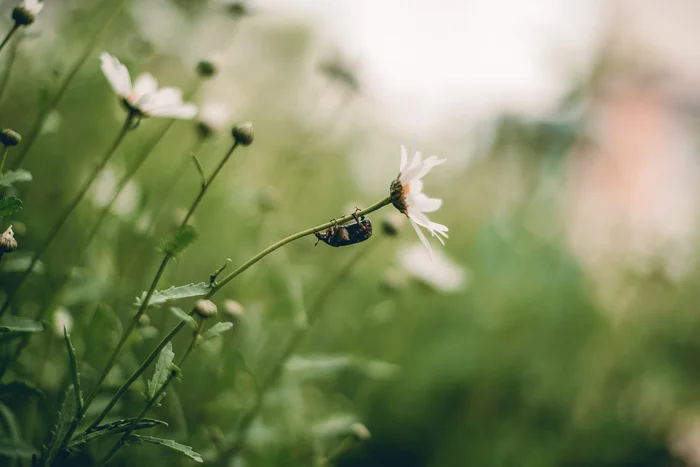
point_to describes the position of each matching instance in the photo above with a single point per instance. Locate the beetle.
(346, 234)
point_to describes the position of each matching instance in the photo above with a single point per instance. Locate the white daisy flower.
(62, 319)
(143, 98)
(436, 270)
(407, 195)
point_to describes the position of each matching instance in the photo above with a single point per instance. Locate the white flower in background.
(407, 195)
(62, 319)
(436, 270)
(213, 117)
(24, 14)
(128, 200)
(105, 189)
(143, 98)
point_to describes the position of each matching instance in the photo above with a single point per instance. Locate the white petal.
(144, 84)
(413, 169)
(162, 98)
(428, 165)
(116, 74)
(425, 204)
(420, 218)
(423, 240)
(416, 188)
(439, 228)
(404, 158)
(183, 111)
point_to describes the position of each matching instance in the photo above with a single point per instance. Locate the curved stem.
(154, 353)
(4, 158)
(9, 35)
(45, 111)
(242, 429)
(66, 214)
(8, 67)
(144, 306)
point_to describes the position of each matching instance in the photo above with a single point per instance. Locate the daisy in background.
(435, 270)
(407, 195)
(213, 118)
(143, 98)
(25, 13)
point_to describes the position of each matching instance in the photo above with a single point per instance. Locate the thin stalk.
(173, 374)
(154, 354)
(8, 67)
(9, 35)
(144, 303)
(242, 429)
(128, 122)
(149, 404)
(46, 110)
(4, 158)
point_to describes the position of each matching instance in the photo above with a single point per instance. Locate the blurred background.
(558, 325)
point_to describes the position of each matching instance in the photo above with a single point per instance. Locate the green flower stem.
(173, 374)
(5, 150)
(193, 342)
(154, 354)
(144, 304)
(9, 35)
(174, 180)
(45, 111)
(242, 429)
(128, 123)
(8, 67)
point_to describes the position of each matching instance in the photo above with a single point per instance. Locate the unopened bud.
(243, 134)
(206, 68)
(26, 12)
(144, 320)
(233, 308)
(8, 243)
(9, 137)
(205, 308)
(392, 223)
(238, 10)
(360, 432)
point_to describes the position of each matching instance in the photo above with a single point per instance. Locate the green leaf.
(168, 443)
(163, 367)
(184, 317)
(174, 293)
(9, 206)
(334, 427)
(60, 430)
(114, 428)
(20, 263)
(74, 370)
(216, 330)
(8, 179)
(18, 324)
(17, 449)
(182, 239)
(20, 388)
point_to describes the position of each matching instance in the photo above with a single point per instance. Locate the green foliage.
(73, 366)
(120, 426)
(174, 293)
(215, 331)
(16, 449)
(20, 388)
(61, 428)
(164, 366)
(182, 316)
(182, 239)
(18, 325)
(8, 179)
(9, 206)
(168, 443)
(20, 263)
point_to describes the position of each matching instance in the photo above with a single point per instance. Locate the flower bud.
(243, 134)
(238, 10)
(233, 308)
(9, 137)
(205, 308)
(360, 432)
(206, 68)
(26, 12)
(144, 320)
(392, 224)
(8, 243)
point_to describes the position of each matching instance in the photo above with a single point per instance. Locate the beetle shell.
(347, 234)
